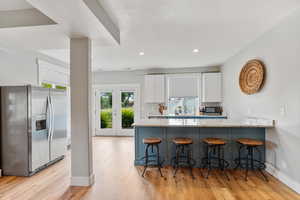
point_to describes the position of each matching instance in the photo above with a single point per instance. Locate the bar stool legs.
(156, 163)
(215, 152)
(215, 156)
(153, 159)
(146, 160)
(249, 162)
(183, 156)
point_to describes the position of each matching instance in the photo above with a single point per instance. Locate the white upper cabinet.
(212, 87)
(154, 89)
(183, 85)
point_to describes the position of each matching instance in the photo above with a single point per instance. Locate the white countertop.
(250, 123)
(170, 115)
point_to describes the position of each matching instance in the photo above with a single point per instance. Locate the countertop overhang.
(205, 123)
(188, 116)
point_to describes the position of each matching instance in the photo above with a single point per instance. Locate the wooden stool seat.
(151, 140)
(182, 141)
(214, 141)
(250, 142)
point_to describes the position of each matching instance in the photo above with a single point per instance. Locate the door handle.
(50, 118)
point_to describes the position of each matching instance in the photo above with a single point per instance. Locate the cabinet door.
(154, 89)
(159, 89)
(212, 87)
(149, 89)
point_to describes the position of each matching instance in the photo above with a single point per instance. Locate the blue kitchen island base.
(197, 134)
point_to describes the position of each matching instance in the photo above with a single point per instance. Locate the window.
(127, 111)
(183, 105)
(106, 114)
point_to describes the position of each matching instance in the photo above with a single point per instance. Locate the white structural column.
(81, 135)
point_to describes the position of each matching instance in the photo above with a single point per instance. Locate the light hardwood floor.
(118, 179)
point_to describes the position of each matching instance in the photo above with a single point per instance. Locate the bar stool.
(183, 156)
(215, 152)
(249, 162)
(156, 161)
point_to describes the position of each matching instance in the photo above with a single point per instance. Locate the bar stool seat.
(250, 142)
(247, 161)
(183, 141)
(152, 159)
(151, 140)
(214, 141)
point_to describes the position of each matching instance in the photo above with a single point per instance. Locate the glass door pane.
(127, 109)
(106, 113)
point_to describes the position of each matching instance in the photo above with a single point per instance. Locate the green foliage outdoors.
(127, 118)
(106, 118)
(46, 85)
(106, 100)
(60, 87)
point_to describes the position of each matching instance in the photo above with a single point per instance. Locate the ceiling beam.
(23, 18)
(80, 18)
(104, 18)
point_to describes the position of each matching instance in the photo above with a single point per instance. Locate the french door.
(116, 110)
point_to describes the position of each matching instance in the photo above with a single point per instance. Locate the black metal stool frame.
(157, 162)
(254, 164)
(183, 158)
(207, 161)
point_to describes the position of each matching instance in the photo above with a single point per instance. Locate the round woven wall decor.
(252, 76)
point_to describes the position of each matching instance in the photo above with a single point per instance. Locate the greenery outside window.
(60, 87)
(47, 85)
(127, 111)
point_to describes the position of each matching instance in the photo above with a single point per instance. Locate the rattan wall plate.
(252, 77)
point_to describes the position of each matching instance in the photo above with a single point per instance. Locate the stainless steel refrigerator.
(33, 128)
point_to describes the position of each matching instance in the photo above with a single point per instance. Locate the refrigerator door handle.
(50, 117)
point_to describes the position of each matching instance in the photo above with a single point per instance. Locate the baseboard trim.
(82, 180)
(283, 178)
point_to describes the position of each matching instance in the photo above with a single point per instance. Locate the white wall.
(16, 68)
(20, 67)
(53, 73)
(279, 49)
(137, 77)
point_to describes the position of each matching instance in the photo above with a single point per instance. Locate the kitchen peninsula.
(197, 130)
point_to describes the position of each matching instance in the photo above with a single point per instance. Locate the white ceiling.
(168, 30)
(73, 20)
(14, 5)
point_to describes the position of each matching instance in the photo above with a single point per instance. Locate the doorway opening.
(117, 107)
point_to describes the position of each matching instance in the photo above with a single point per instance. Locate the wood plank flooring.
(118, 179)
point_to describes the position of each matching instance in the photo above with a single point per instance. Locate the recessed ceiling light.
(141, 53)
(196, 50)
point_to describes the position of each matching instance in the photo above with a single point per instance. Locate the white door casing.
(116, 90)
